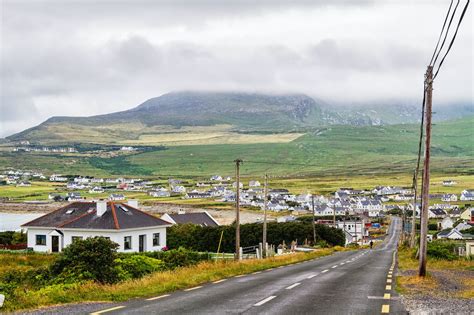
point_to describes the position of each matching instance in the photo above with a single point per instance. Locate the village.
(356, 211)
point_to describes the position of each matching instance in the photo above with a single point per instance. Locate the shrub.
(180, 257)
(88, 259)
(442, 250)
(137, 266)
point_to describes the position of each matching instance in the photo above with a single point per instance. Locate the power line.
(440, 34)
(454, 37)
(446, 34)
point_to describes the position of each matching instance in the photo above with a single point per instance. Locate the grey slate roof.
(82, 215)
(200, 218)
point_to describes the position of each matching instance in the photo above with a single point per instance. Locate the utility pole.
(413, 216)
(334, 216)
(425, 194)
(265, 193)
(314, 219)
(237, 209)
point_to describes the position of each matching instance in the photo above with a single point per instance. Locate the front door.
(141, 243)
(55, 244)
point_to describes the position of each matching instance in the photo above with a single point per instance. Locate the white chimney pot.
(133, 203)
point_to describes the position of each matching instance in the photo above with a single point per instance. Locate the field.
(336, 151)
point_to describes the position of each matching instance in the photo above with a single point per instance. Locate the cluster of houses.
(45, 149)
(20, 178)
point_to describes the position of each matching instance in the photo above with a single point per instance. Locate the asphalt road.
(356, 282)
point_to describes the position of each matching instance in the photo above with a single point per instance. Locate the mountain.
(220, 112)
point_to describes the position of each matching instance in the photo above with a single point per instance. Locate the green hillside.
(334, 150)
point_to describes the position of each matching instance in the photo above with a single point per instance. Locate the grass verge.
(154, 284)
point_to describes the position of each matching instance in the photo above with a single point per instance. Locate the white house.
(96, 190)
(447, 223)
(467, 195)
(132, 229)
(436, 213)
(449, 182)
(178, 189)
(254, 183)
(449, 197)
(116, 197)
(355, 231)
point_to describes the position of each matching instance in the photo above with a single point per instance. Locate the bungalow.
(254, 183)
(453, 234)
(198, 218)
(241, 185)
(24, 184)
(455, 213)
(96, 190)
(467, 195)
(74, 196)
(449, 182)
(132, 229)
(116, 197)
(178, 189)
(159, 193)
(197, 195)
(216, 178)
(449, 197)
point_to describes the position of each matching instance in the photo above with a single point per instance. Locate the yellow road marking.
(239, 276)
(385, 309)
(388, 287)
(389, 280)
(157, 297)
(386, 296)
(389, 276)
(108, 310)
(256, 272)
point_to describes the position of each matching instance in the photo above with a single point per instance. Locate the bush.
(180, 257)
(88, 259)
(137, 266)
(442, 250)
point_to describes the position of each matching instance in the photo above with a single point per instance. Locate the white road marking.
(256, 272)
(325, 271)
(265, 300)
(348, 261)
(335, 266)
(157, 297)
(293, 285)
(195, 288)
(219, 281)
(311, 277)
(108, 310)
(341, 264)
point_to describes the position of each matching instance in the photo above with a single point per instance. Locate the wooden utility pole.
(413, 216)
(314, 219)
(265, 194)
(425, 194)
(237, 209)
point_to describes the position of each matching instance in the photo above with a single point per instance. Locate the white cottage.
(133, 229)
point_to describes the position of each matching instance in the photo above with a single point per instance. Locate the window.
(127, 242)
(75, 239)
(40, 239)
(156, 239)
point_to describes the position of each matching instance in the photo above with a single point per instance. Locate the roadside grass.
(459, 271)
(20, 261)
(154, 284)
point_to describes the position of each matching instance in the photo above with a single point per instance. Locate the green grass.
(337, 151)
(154, 284)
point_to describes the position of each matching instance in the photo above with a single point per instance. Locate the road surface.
(355, 282)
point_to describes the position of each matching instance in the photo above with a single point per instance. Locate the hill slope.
(219, 116)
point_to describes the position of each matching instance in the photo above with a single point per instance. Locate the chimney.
(133, 203)
(101, 207)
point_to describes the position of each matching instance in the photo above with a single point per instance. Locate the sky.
(88, 57)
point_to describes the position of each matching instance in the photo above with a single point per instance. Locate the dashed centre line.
(326, 270)
(311, 276)
(107, 310)
(293, 285)
(335, 266)
(271, 297)
(157, 297)
(195, 288)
